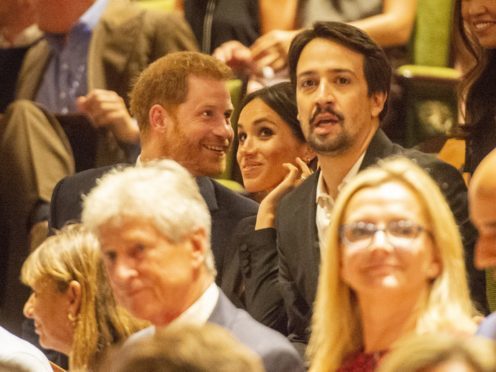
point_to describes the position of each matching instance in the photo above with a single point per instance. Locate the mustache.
(325, 109)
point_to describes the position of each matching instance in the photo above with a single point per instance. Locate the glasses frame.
(384, 229)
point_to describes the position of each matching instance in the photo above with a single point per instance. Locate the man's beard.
(328, 146)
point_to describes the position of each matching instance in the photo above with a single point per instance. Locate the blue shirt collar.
(86, 24)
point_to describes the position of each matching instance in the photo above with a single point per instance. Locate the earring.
(72, 318)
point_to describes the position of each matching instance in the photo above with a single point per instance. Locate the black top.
(480, 142)
(10, 65)
(217, 21)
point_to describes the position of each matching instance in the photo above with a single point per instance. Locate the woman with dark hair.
(274, 158)
(271, 142)
(475, 24)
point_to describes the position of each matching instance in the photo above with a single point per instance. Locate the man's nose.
(224, 130)
(28, 308)
(325, 93)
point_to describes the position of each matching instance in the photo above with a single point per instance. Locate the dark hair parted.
(377, 69)
(478, 87)
(165, 82)
(280, 98)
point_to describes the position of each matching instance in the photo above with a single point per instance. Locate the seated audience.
(392, 266)
(19, 355)
(478, 88)
(72, 305)
(441, 353)
(482, 199)
(388, 22)
(71, 111)
(154, 229)
(342, 79)
(185, 348)
(183, 108)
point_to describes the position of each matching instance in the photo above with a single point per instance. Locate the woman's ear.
(74, 297)
(308, 154)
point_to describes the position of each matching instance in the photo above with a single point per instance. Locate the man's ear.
(198, 246)
(158, 118)
(377, 100)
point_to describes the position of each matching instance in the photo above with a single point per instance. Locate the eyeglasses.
(399, 233)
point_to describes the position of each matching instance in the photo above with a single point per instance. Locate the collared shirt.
(325, 203)
(65, 78)
(198, 313)
(27, 37)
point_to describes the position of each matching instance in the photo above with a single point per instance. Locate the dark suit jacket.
(298, 244)
(226, 207)
(276, 352)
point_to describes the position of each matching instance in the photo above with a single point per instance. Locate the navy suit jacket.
(226, 207)
(276, 352)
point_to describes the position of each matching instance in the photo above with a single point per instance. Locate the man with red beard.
(342, 81)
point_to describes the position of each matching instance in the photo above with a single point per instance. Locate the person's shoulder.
(22, 353)
(234, 199)
(83, 178)
(275, 350)
(142, 334)
(437, 169)
(488, 327)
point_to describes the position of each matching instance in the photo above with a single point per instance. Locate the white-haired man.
(154, 229)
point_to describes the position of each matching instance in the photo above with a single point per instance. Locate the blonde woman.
(393, 266)
(72, 304)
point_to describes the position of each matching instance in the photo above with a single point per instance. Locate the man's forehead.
(327, 54)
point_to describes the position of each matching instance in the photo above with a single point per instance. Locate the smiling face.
(48, 307)
(480, 16)
(266, 142)
(381, 266)
(199, 133)
(151, 276)
(335, 110)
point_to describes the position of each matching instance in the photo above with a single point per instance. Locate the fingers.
(235, 55)
(305, 170)
(103, 106)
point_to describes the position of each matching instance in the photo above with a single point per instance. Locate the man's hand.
(107, 109)
(271, 49)
(237, 56)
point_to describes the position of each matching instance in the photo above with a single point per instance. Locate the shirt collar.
(322, 189)
(85, 24)
(201, 310)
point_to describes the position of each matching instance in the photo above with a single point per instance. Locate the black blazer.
(226, 207)
(298, 252)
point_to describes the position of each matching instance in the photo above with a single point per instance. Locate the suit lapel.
(32, 70)
(380, 147)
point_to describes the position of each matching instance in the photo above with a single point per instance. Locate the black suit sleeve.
(259, 266)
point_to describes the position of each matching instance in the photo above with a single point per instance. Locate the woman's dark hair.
(280, 98)
(478, 87)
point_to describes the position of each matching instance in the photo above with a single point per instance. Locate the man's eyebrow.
(332, 70)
